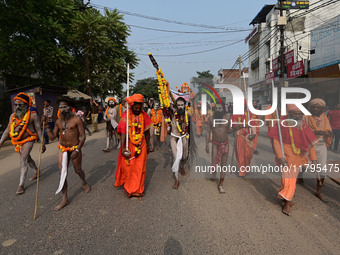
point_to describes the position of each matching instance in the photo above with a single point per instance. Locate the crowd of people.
(132, 124)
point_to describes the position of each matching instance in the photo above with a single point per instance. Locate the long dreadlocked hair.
(192, 144)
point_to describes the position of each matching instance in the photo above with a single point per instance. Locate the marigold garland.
(186, 132)
(156, 118)
(15, 136)
(23, 122)
(163, 95)
(64, 149)
(295, 150)
(107, 112)
(136, 139)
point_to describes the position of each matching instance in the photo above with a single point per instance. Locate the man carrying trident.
(72, 138)
(131, 168)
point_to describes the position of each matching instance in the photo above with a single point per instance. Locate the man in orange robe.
(244, 141)
(319, 124)
(131, 168)
(297, 141)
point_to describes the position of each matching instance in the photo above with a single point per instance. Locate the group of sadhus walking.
(132, 127)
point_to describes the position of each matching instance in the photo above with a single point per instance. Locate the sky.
(197, 47)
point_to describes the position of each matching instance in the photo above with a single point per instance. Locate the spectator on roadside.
(334, 120)
(100, 113)
(48, 114)
(94, 115)
(81, 115)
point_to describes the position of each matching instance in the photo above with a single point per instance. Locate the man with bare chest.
(23, 129)
(72, 139)
(220, 141)
(179, 139)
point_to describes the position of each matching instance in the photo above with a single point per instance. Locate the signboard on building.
(297, 69)
(275, 64)
(252, 33)
(295, 4)
(289, 57)
(325, 41)
(269, 77)
(255, 63)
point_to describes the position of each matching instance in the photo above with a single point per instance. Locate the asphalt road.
(195, 219)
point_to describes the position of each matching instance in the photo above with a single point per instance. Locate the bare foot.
(300, 180)
(318, 195)
(220, 189)
(35, 176)
(61, 205)
(182, 171)
(86, 188)
(286, 208)
(21, 190)
(175, 186)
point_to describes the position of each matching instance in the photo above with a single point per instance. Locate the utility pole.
(282, 21)
(239, 59)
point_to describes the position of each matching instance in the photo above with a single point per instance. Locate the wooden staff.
(38, 173)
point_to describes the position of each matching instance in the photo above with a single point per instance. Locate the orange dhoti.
(131, 173)
(244, 153)
(289, 174)
(298, 142)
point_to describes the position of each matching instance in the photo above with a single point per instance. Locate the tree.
(203, 77)
(31, 41)
(100, 50)
(147, 87)
(61, 42)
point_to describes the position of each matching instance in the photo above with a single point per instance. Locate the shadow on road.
(266, 187)
(151, 165)
(173, 246)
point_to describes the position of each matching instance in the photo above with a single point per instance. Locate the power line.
(170, 21)
(189, 32)
(176, 47)
(263, 42)
(193, 53)
(189, 42)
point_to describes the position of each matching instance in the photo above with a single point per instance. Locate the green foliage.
(61, 42)
(203, 77)
(147, 87)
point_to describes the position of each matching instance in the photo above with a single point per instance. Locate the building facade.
(311, 50)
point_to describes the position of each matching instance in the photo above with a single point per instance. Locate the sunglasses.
(20, 105)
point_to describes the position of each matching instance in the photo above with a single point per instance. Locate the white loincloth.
(114, 123)
(179, 154)
(63, 174)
